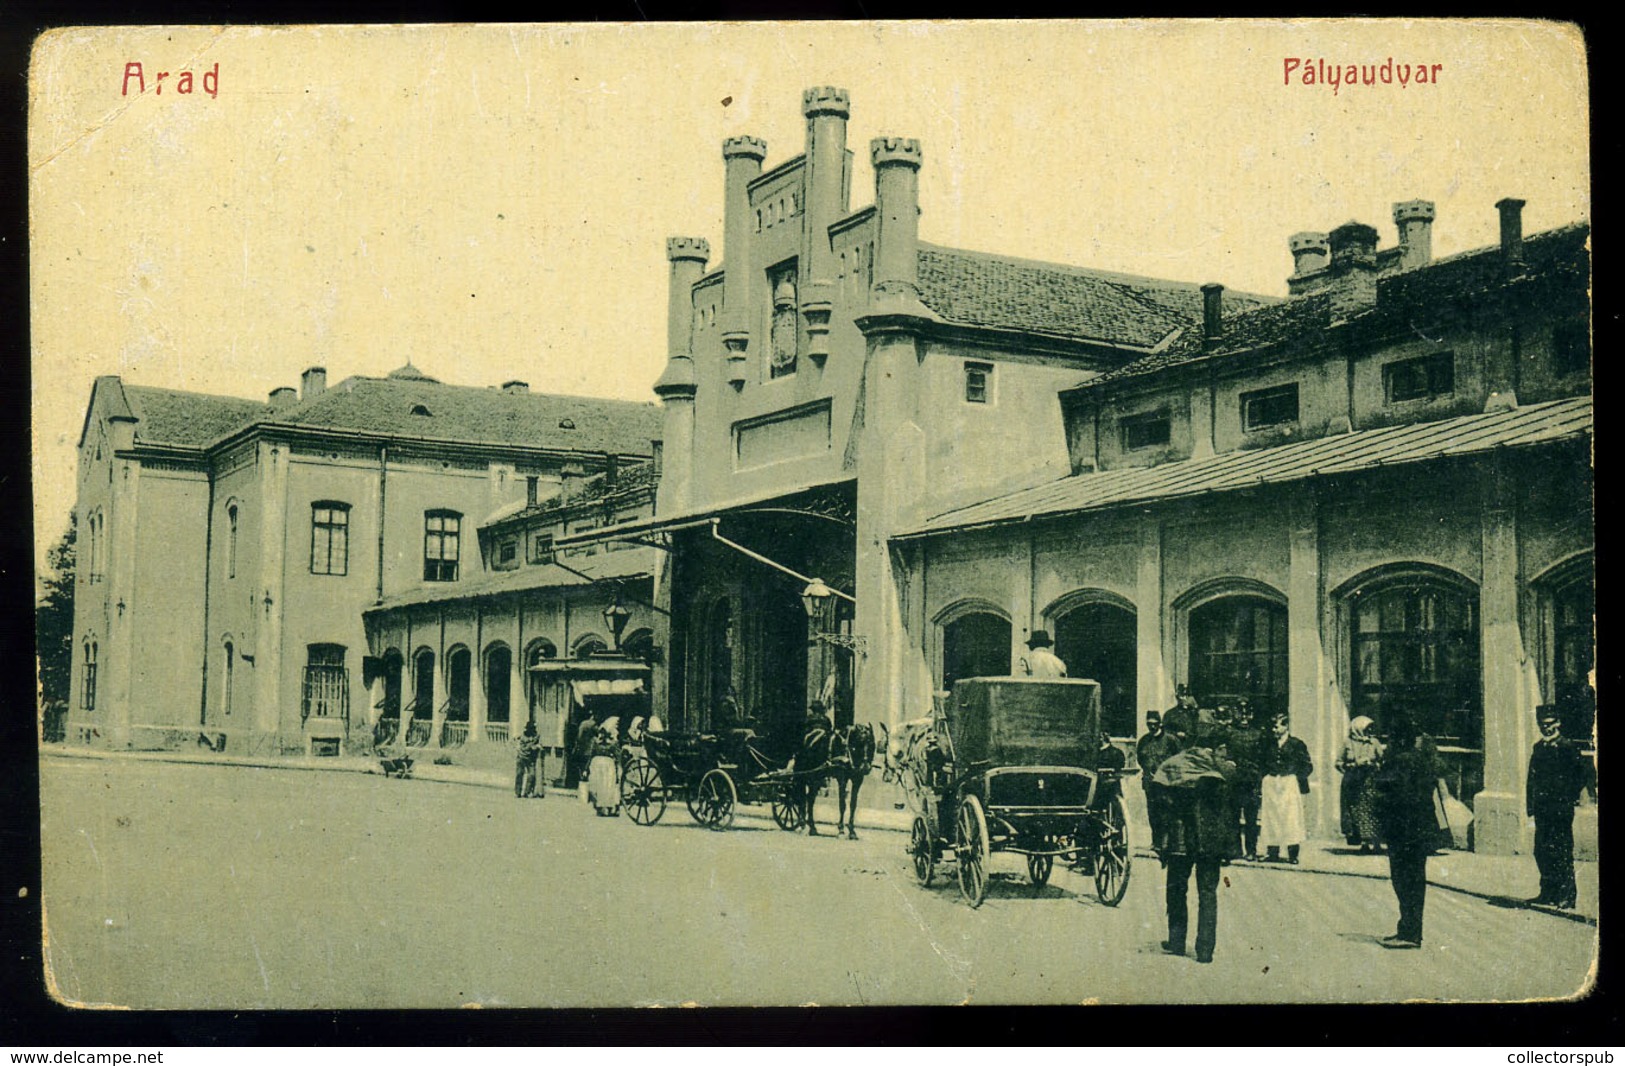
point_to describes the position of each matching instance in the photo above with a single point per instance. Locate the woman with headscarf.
(1358, 763)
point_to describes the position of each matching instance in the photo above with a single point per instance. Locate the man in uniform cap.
(1152, 750)
(1040, 661)
(1558, 773)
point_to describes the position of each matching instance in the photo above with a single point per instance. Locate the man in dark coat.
(1405, 788)
(1150, 752)
(1201, 836)
(1558, 773)
(1246, 748)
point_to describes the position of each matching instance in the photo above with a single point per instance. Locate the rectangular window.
(330, 538)
(327, 683)
(541, 548)
(1151, 430)
(442, 534)
(1422, 378)
(1571, 348)
(506, 554)
(1269, 407)
(978, 382)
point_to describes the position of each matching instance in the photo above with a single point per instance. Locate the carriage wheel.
(643, 793)
(786, 812)
(714, 801)
(1112, 862)
(973, 851)
(1038, 868)
(924, 852)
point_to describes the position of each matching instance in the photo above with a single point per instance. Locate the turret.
(897, 211)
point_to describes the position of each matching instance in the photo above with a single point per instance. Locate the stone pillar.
(1498, 811)
(742, 157)
(1156, 691)
(477, 680)
(1306, 662)
(271, 718)
(1202, 421)
(897, 213)
(116, 669)
(1023, 616)
(824, 177)
(678, 385)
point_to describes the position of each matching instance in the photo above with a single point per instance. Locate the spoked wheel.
(786, 813)
(713, 803)
(1038, 869)
(973, 851)
(923, 850)
(1112, 862)
(643, 793)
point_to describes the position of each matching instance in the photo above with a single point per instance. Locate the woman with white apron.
(603, 773)
(1286, 779)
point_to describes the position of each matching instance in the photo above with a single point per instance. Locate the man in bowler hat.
(1040, 661)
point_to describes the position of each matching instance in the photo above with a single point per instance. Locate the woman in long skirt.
(604, 785)
(1286, 779)
(1358, 762)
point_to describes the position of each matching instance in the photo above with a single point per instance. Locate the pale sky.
(492, 201)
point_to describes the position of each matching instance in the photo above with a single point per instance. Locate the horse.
(811, 765)
(852, 756)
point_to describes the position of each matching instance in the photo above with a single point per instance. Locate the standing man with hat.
(1152, 750)
(1558, 773)
(1040, 661)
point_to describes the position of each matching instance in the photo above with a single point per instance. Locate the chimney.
(1212, 313)
(1351, 280)
(1415, 221)
(825, 175)
(1511, 232)
(1310, 252)
(897, 209)
(1352, 242)
(515, 387)
(283, 397)
(313, 382)
(742, 159)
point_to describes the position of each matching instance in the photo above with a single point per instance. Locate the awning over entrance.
(646, 530)
(630, 686)
(1341, 453)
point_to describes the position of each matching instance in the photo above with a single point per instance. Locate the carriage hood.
(1024, 721)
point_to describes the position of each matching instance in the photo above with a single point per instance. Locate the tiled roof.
(187, 419)
(628, 563)
(479, 416)
(1340, 453)
(974, 289)
(1551, 254)
(1249, 330)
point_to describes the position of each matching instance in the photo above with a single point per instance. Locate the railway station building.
(886, 463)
(238, 559)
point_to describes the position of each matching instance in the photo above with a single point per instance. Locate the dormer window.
(1269, 407)
(422, 411)
(506, 554)
(1153, 429)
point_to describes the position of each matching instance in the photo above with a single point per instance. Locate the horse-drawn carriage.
(1011, 764)
(712, 773)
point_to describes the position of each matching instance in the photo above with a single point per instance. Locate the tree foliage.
(53, 631)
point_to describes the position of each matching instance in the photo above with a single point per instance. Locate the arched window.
(442, 545)
(422, 705)
(640, 644)
(231, 540)
(498, 667)
(330, 537)
(1414, 644)
(1574, 650)
(975, 643)
(588, 646)
(1238, 651)
(1096, 637)
(541, 651)
(87, 689)
(230, 657)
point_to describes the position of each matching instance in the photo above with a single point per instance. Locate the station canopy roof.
(1340, 453)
